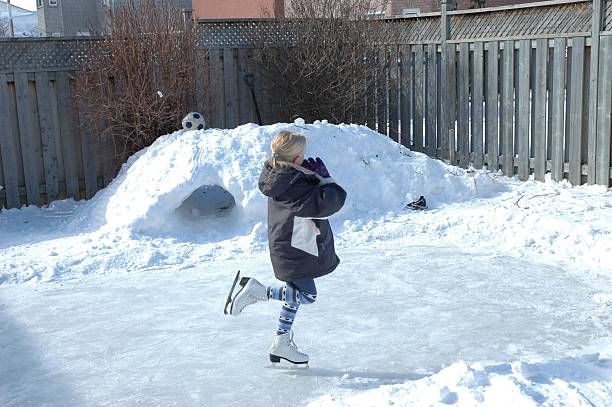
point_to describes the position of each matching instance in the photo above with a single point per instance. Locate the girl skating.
(301, 195)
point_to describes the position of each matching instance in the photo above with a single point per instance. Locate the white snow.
(499, 294)
(558, 383)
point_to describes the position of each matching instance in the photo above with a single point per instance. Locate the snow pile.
(378, 174)
(551, 222)
(148, 217)
(583, 381)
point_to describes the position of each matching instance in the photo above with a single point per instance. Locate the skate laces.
(292, 344)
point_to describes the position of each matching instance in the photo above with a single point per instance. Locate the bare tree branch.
(322, 71)
(147, 50)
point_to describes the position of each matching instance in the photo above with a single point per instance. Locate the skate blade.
(242, 283)
(228, 301)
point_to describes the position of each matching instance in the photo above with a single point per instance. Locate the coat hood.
(273, 181)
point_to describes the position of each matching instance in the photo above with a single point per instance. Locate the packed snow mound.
(581, 381)
(378, 174)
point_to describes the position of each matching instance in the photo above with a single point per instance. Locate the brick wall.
(237, 8)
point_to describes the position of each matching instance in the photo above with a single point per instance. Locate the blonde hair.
(286, 145)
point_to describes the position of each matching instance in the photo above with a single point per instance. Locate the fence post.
(604, 109)
(593, 87)
(447, 133)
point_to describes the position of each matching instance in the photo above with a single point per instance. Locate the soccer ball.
(194, 121)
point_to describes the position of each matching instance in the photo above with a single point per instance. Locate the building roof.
(14, 9)
(29, 5)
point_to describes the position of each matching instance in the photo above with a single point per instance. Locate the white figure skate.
(283, 347)
(251, 291)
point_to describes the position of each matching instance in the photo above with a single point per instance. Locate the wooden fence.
(528, 91)
(45, 153)
(519, 106)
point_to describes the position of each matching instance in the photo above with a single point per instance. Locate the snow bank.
(583, 381)
(552, 222)
(121, 227)
(378, 174)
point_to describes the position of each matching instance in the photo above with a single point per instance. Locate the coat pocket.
(304, 236)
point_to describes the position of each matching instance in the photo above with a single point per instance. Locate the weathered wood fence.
(527, 102)
(522, 106)
(46, 154)
(524, 89)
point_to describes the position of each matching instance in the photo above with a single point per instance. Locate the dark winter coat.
(300, 238)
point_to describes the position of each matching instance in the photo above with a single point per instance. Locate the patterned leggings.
(293, 295)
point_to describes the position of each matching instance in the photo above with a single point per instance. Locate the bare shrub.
(139, 79)
(322, 70)
(477, 3)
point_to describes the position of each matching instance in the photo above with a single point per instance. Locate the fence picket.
(507, 108)
(540, 102)
(370, 98)
(246, 107)
(199, 101)
(595, 63)
(463, 117)
(604, 111)
(568, 98)
(28, 135)
(216, 99)
(382, 92)
(575, 111)
(431, 101)
(452, 98)
(405, 94)
(89, 152)
(108, 161)
(68, 135)
(477, 101)
(492, 115)
(558, 104)
(56, 112)
(262, 99)
(522, 137)
(419, 85)
(393, 95)
(47, 134)
(441, 131)
(9, 148)
(231, 89)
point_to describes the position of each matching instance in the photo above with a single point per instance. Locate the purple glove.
(316, 165)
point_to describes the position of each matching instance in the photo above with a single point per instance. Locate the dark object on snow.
(418, 205)
(207, 201)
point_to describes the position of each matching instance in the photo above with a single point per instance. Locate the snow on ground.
(558, 383)
(500, 291)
